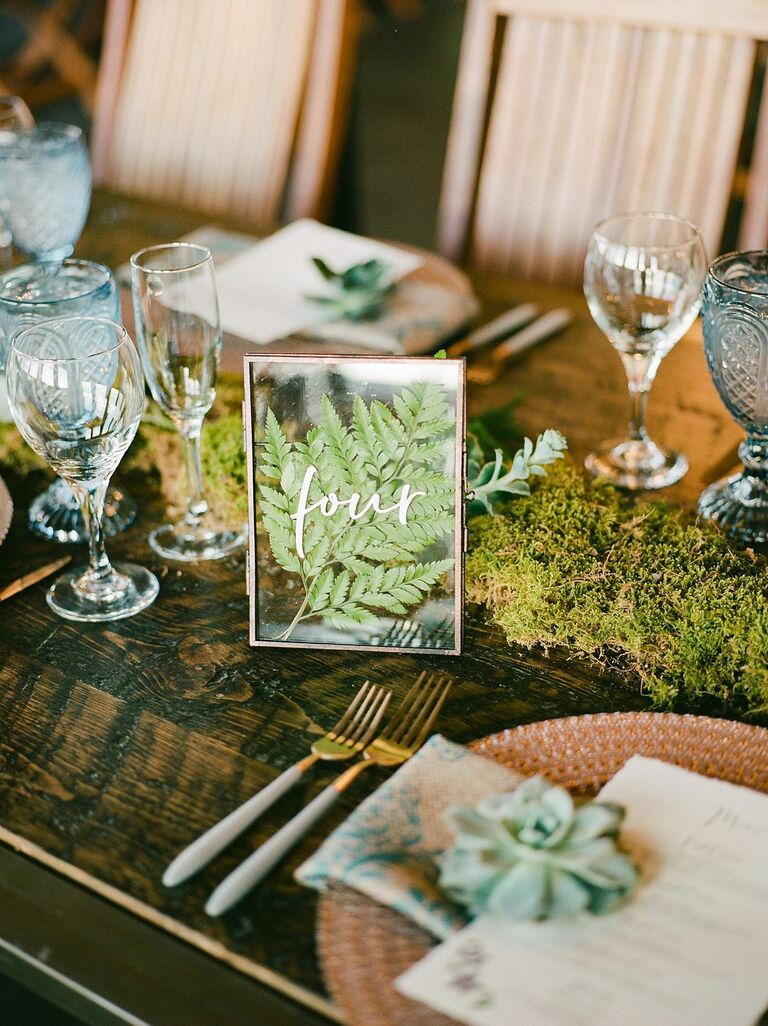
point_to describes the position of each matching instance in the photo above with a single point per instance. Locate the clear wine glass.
(177, 325)
(45, 180)
(642, 279)
(76, 392)
(36, 292)
(735, 317)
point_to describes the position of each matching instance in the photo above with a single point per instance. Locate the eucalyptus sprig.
(359, 292)
(489, 482)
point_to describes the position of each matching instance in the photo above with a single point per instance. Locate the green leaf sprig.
(489, 482)
(352, 569)
(359, 293)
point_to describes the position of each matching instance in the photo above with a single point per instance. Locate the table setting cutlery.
(494, 331)
(544, 327)
(403, 736)
(27, 580)
(350, 736)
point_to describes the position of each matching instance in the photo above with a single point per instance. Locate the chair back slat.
(210, 100)
(590, 117)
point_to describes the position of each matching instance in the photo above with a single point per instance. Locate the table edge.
(215, 949)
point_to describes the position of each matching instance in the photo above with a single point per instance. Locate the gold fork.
(350, 736)
(402, 737)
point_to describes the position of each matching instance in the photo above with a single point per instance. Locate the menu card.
(263, 290)
(688, 949)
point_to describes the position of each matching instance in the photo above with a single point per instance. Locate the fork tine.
(430, 710)
(419, 708)
(422, 737)
(351, 710)
(362, 722)
(404, 711)
(360, 712)
(378, 710)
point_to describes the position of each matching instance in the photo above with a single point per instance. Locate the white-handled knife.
(544, 327)
(499, 328)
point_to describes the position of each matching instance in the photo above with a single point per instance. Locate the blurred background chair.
(566, 111)
(51, 50)
(235, 107)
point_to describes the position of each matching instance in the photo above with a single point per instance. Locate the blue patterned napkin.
(387, 847)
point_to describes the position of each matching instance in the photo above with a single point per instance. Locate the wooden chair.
(232, 106)
(567, 111)
(55, 60)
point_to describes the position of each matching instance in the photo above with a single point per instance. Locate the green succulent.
(492, 481)
(358, 292)
(532, 854)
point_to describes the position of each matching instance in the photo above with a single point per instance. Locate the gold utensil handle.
(21, 583)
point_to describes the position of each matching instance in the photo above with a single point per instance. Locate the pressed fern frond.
(353, 568)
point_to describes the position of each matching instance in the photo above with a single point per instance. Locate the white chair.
(235, 107)
(567, 111)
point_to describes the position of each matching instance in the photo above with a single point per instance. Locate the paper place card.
(688, 949)
(262, 291)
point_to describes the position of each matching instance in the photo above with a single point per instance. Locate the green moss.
(224, 468)
(15, 455)
(643, 586)
(156, 452)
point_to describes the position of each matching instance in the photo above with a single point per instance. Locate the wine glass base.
(739, 505)
(192, 545)
(55, 514)
(636, 465)
(130, 589)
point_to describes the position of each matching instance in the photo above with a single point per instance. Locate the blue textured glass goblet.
(33, 293)
(45, 181)
(15, 115)
(735, 316)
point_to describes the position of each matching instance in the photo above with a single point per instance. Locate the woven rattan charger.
(364, 946)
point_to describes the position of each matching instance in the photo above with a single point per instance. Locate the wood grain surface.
(120, 743)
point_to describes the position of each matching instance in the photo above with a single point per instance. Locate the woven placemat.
(6, 510)
(364, 946)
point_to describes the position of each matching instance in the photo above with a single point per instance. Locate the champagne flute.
(177, 324)
(642, 280)
(76, 393)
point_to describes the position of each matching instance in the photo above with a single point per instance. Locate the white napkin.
(262, 292)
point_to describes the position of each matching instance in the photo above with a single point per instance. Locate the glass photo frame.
(356, 501)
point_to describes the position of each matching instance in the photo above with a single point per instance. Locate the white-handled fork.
(349, 737)
(404, 735)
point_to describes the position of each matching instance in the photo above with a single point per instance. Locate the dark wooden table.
(119, 743)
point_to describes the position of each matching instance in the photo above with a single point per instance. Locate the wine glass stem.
(90, 496)
(640, 370)
(638, 400)
(197, 507)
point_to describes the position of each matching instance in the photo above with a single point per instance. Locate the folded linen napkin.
(387, 847)
(416, 318)
(262, 289)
